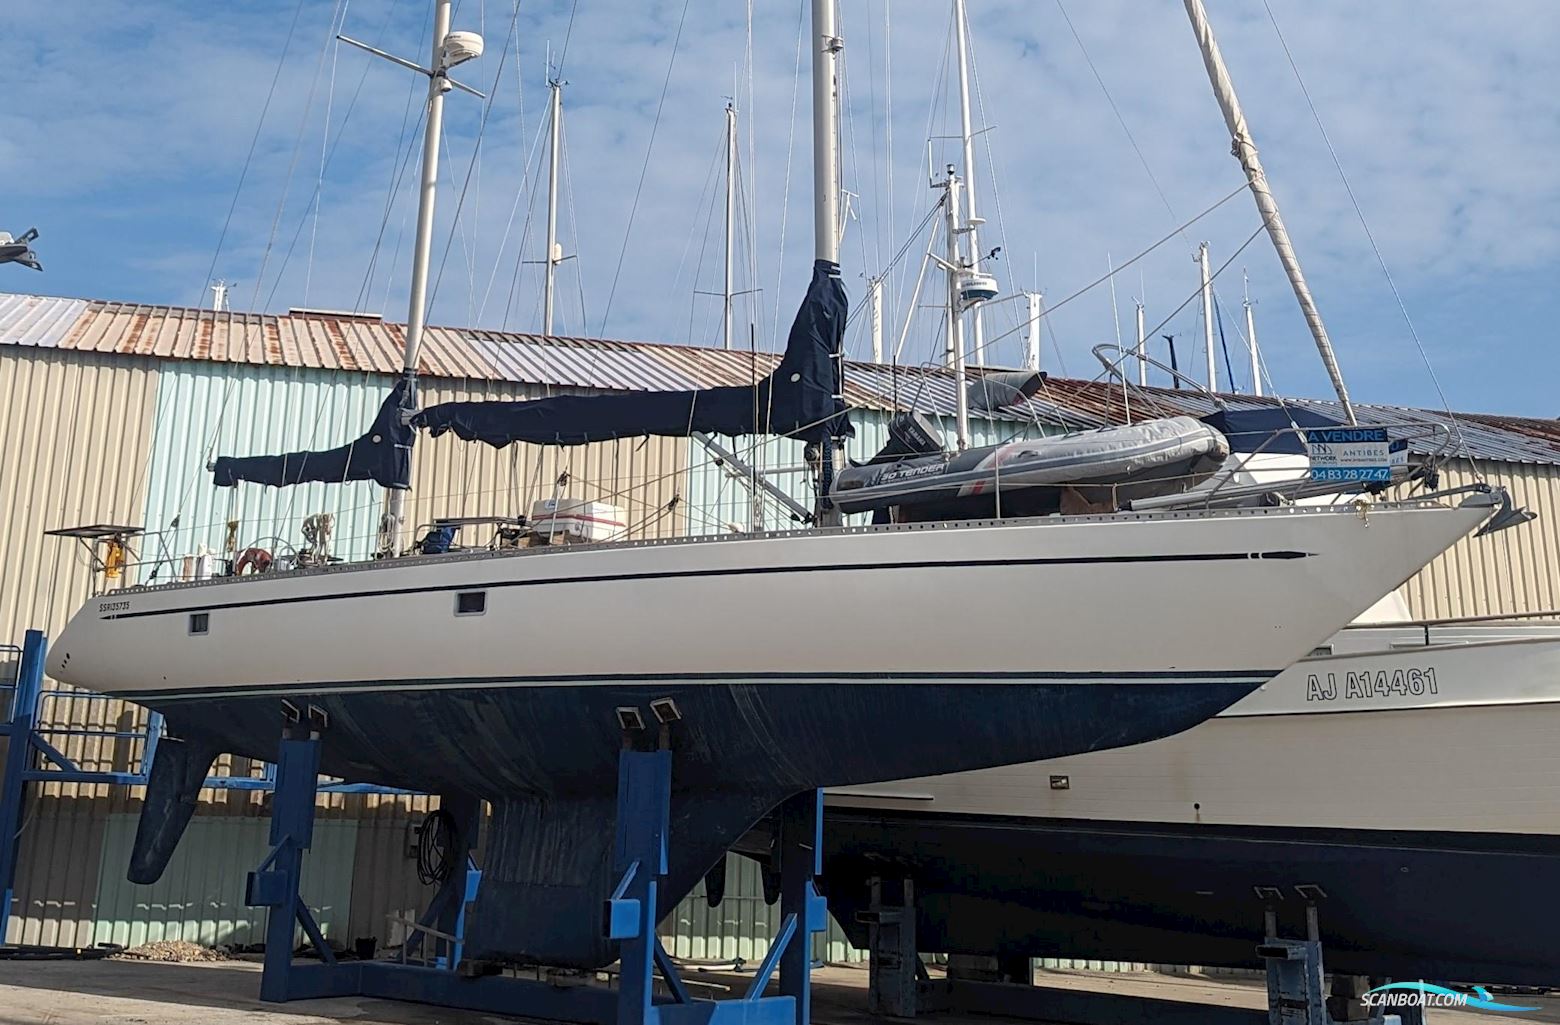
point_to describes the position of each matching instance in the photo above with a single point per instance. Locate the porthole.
(470, 603)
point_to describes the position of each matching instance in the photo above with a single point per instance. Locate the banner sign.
(1354, 453)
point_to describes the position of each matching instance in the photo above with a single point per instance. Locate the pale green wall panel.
(200, 897)
(206, 409)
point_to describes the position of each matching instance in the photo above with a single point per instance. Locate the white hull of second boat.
(1389, 732)
(1410, 790)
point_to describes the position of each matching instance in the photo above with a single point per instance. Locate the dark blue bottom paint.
(546, 757)
(1438, 906)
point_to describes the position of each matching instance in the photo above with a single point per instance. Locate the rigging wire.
(398, 169)
(292, 165)
(249, 157)
(1369, 235)
(319, 182)
(471, 166)
(991, 173)
(227, 222)
(1178, 230)
(644, 169)
(568, 33)
(790, 149)
(520, 193)
(525, 227)
(574, 233)
(227, 391)
(1122, 121)
(328, 162)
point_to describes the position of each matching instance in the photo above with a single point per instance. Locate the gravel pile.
(180, 951)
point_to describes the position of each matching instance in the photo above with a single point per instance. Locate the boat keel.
(179, 770)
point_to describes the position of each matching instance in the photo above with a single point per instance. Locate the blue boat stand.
(629, 914)
(1297, 990)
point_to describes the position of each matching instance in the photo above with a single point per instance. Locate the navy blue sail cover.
(1249, 429)
(383, 455)
(802, 398)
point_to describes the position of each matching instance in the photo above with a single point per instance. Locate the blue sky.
(126, 129)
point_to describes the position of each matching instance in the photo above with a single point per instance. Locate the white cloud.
(141, 115)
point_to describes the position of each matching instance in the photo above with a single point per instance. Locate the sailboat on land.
(772, 662)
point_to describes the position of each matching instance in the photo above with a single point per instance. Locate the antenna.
(731, 219)
(554, 254)
(1251, 334)
(875, 316)
(955, 270)
(1207, 308)
(1036, 329)
(1142, 347)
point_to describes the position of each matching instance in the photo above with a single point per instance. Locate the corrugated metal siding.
(200, 896)
(57, 872)
(207, 409)
(384, 877)
(1515, 570)
(77, 435)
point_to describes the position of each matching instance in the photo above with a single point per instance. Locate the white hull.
(1128, 594)
(1387, 733)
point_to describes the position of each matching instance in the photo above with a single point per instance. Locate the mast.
(827, 45)
(1246, 151)
(1036, 312)
(875, 316)
(826, 143)
(955, 321)
(1251, 338)
(552, 258)
(1207, 308)
(1142, 347)
(731, 219)
(967, 136)
(422, 248)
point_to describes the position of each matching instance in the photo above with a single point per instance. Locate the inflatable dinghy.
(1113, 465)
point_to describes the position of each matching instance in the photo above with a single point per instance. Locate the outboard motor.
(909, 434)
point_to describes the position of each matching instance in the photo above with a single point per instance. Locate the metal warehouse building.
(112, 410)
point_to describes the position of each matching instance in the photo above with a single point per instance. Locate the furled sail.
(802, 398)
(383, 455)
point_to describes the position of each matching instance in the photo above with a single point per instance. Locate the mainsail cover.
(802, 398)
(383, 455)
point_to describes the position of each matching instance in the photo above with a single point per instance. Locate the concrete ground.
(227, 993)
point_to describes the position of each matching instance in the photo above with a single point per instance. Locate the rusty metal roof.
(1480, 435)
(341, 341)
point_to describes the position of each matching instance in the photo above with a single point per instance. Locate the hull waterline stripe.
(1078, 560)
(1252, 677)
